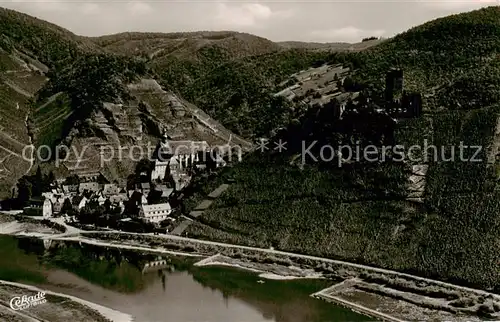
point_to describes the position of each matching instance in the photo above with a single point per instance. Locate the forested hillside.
(230, 75)
(238, 92)
(50, 44)
(361, 212)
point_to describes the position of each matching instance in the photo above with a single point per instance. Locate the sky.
(278, 20)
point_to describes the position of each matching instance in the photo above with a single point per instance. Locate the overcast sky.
(321, 21)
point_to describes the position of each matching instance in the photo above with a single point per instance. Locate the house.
(155, 213)
(174, 166)
(118, 201)
(210, 159)
(88, 186)
(186, 152)
(48, 195)
(90, 176)
(181, 181)
(56, 200)
(47, 208)
(57, 204)
(110, 189)
(160, 170)
(136, 198)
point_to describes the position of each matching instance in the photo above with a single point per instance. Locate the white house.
(160, 170)
(48, 195)
(155, 213)
(56, 201)
(47, 208)
(89, 176)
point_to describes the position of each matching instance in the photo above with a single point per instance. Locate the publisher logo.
(24, 302)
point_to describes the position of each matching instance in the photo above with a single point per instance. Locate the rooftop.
(148, 209)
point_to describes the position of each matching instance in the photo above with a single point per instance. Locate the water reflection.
(136, 283)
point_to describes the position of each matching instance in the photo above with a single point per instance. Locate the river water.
(176, 291)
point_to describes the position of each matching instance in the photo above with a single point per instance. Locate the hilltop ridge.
(185, 45)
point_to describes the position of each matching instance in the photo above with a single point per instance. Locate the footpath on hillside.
(199, 210)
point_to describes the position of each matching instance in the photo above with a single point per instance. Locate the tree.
(143, 166)
(131, 182)
(67, 207)
(51, 178)
(38, 183)
(348, 84)
(24, 189)
(369, 38)
(107, 206)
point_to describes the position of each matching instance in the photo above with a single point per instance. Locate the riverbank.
(58, 307)
(116, 278)
(380, 289)
(429, 297)
(266, 271)
(377, 288)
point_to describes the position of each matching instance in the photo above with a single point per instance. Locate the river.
(174, 291)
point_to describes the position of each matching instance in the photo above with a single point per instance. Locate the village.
(147, 202)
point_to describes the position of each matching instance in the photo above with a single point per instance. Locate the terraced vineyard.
(50, 118)
(18, 83)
